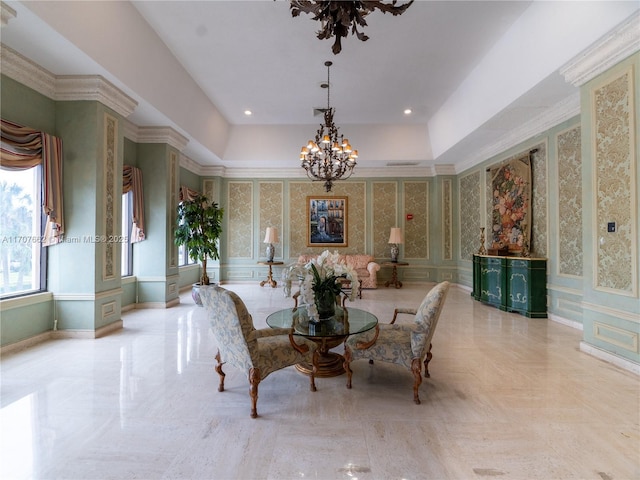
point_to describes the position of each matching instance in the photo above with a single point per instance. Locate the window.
(22, 255)
(127, 245)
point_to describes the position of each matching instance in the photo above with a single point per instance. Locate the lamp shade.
(271, 236)
(395, 236)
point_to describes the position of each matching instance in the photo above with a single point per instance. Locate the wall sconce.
(395, 238)
(270, 238)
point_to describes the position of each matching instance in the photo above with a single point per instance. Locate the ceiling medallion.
(338, 16)
(330, 157)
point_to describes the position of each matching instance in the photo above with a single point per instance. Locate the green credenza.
(513, 284)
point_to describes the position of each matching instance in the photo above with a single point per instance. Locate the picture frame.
(326, 221)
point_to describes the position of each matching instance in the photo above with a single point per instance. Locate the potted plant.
(198, 229)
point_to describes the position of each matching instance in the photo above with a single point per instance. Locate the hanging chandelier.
(330, 157)
(337, 17)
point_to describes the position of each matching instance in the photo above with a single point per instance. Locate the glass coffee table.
(327, 333)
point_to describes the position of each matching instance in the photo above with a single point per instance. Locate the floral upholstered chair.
(256, 352)
(403, 344)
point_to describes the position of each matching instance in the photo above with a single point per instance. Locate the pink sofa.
(364, 265)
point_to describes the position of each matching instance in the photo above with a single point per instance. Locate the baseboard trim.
(566, 321)
(623, 363)
(26, 343)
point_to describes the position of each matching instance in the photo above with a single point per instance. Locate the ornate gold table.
(394, 273)
(327, 333)
(270, 280)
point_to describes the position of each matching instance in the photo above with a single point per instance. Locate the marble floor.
(509, 398)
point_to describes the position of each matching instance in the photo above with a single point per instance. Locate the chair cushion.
(393, 345)
(359, 262)
(274, 353)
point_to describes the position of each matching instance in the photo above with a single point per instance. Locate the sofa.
(364, 265)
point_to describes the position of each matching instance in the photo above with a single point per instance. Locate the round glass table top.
(346, 321)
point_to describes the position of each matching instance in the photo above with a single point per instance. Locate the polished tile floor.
(509, 398)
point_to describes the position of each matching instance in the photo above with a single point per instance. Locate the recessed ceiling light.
(248, 113)
(407, 111)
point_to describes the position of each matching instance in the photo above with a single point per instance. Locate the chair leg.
(416, 368)
(346, 364)
(426, 362)
(254, 380)
(314, 370)
(220, 372)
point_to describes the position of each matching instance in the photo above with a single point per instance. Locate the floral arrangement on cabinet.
(319, 285)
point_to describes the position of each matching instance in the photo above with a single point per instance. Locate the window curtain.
(23, 148)
(132, 181)
(188, 194)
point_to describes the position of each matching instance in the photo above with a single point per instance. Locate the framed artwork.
(326, 221)
(511, 206)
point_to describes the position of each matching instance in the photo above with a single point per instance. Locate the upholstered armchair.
(256, 352)
(403, 344)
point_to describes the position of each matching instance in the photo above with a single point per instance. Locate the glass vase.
(325, 304)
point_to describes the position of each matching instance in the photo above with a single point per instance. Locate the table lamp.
(270, 238)
(395, 238)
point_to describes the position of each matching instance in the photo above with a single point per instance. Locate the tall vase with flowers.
(320, 283)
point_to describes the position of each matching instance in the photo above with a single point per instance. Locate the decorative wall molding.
(26, 72)
(87, 297)
(25, 301)
(611, 49)
(95, 88)
(7, 13)
(612, 312)
(64, 87)
(558, 113)
(162, 135)
(616, 336)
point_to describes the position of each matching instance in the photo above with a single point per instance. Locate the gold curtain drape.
(187, 193)
(132, 181)
(23, 148)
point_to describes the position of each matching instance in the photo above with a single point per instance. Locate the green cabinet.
(512, 284)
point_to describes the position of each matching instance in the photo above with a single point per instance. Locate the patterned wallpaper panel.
(356, 217)
(385, 208)
(111, 174)
(615, 196)
(416, 234)
(569, 208)
(539, 201)
(271, 208)
(447, 223)
(240, 219)
(469, 215)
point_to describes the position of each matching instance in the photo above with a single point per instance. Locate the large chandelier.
(337, 17)
(330, 157)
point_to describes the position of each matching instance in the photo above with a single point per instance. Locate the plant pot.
(195, 294)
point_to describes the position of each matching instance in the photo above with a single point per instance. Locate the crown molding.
(26, 72)
(65, 87)
(620, 43)
(558, 113)
(189, 164)
(162, 135)
(96, 88)
(445, 169)
(7, 13)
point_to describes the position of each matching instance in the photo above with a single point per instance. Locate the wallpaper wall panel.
(469, 215)
(539, 230)
(356, 218)
(271, 208)
(416, 231)
(240, 219)
(111, 176)
(385, 211)
(615, 197)
(447, 222)
(569, 207)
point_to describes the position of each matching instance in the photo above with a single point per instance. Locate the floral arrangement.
(319, 278)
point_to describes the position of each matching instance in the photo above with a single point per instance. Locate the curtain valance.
(187, 193)
(23, 148)
(132, 182)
